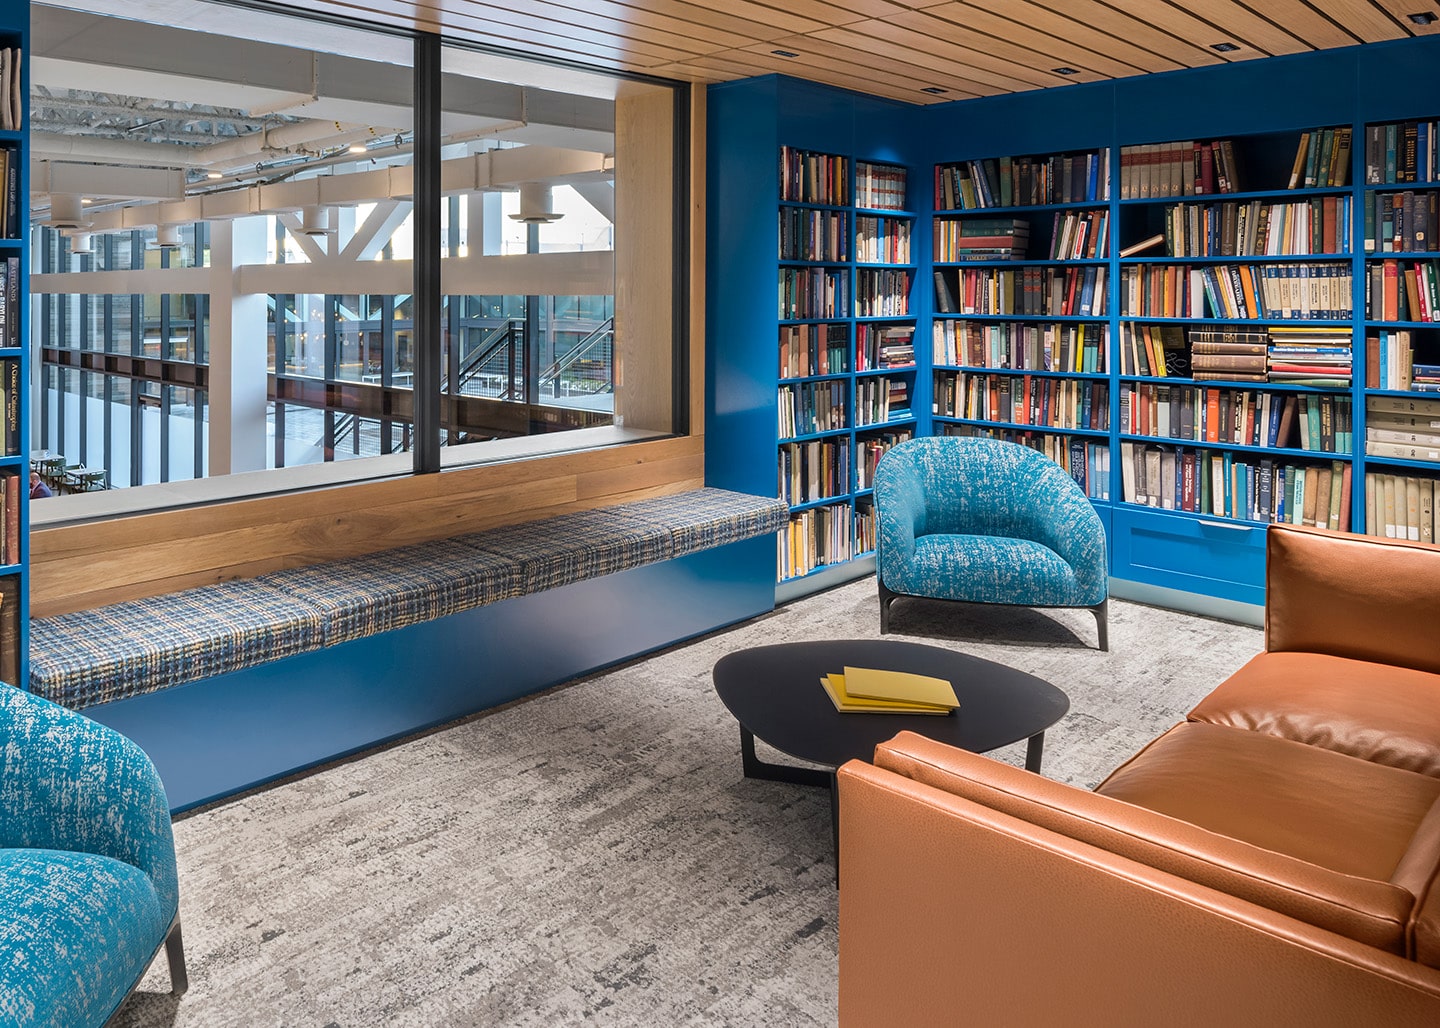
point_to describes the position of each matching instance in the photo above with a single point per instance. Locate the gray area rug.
(592, 854)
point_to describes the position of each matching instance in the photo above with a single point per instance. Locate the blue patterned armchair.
(984, 521)
(88, 891)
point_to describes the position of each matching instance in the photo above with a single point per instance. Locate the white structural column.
(238, 373)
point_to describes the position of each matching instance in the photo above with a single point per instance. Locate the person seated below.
(38, 488)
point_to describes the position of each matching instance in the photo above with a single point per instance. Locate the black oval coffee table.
(775, 694)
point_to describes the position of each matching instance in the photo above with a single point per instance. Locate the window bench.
(304, 624)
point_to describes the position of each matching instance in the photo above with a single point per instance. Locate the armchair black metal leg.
(886, 598)
(175, 956)
(1102, 616)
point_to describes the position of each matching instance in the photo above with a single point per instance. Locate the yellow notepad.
(875, 684)
(834, 686)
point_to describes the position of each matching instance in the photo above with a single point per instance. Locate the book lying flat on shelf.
(873, 691)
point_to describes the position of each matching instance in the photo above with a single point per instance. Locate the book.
(1145, 244)
(834, 686)
(899, 686)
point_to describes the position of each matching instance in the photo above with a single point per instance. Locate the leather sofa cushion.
(1322, 807)
(1374, 912)
(1378, 712)
(1352, 596)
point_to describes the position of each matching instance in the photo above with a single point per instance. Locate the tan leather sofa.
(1272, 860)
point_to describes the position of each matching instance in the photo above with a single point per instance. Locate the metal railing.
(588, 366)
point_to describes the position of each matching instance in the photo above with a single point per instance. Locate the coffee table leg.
(1034, 751)
(754, 767)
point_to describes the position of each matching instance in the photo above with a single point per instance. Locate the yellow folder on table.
(834, 686)
(875, 684)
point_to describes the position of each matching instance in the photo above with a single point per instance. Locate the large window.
(226, 276)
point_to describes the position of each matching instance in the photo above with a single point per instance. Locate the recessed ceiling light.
(1065, 71)
(1423, 18)
(1224, 48)
(784, 53)
(934, 90)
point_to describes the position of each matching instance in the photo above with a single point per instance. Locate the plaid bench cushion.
(96, 656)
(377, 592)
(110, 653)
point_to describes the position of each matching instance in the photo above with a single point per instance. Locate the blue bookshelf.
(1263, 107)
(14, 344)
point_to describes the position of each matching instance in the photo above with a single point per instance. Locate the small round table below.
(775, 694)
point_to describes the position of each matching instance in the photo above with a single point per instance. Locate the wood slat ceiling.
(897, 48)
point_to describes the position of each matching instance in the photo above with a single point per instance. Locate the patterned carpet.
(592, 855)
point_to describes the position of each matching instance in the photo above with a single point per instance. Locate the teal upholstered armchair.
(88, 890)
(984, 521)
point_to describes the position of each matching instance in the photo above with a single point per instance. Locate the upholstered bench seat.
(109, 653)
(395, 588)
(140, 646)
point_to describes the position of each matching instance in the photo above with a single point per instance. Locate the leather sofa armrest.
(949, 909)
(1351, 596)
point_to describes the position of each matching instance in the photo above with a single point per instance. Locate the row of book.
(12, 95)
(882, 293)
(1023, 181)
(1402, 507)
(1154, 170)
(1237, 485)
(814, 235)
(807, 293)
(10, 301)
(807, 350)
(10, 405)
(10, 227)
(1323, 159)
(814, 470)
(1257, 229)
(882, 240)
(1318, 356)
(1245, 417)
(1402, 151)
(1407, 222)
(870, 448)
(1023, 346)
(1067, 292)
(1402, 290)
(1295, 290)
(1023, 400)
(814, 350)
(1080, 235)
(813, 539)
(10, 500)
(977, 239)
(807, 176)
(1156, 351)
(811, 407)
(1400, 428)
(1390, 359)
(884, 346)
(821, 468)
(1074, 235)
(879, 187)
(1085, 460)
(881, 399)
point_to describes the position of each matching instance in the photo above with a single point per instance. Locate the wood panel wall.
(77, 567)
